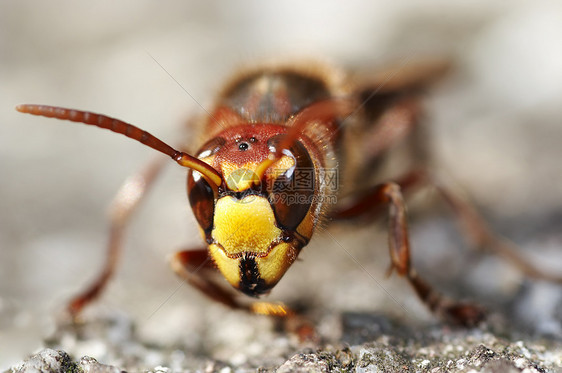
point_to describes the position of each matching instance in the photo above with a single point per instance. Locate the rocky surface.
(370, 343)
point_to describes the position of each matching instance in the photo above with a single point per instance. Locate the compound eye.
(293, 189)
(201, 199)
(200, 194)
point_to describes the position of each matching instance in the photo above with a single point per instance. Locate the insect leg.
(471, 224)
(390, 195)
(123, 206)
(197, 268)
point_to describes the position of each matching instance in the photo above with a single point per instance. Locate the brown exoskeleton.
(261, 182)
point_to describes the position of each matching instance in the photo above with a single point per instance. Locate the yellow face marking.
(246, 225)
(270, 267)
(241, 178)
(238, 177)
(274, 266)
(230, 268)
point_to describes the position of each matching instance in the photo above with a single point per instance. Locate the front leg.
(197, 268)
(123, 207)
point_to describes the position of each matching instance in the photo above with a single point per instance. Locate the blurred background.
(495, 126)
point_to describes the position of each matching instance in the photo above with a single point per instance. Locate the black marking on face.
(251, 282)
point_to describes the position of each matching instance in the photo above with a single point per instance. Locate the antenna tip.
(21, 108)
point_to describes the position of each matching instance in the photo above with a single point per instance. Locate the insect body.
(263, 181)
